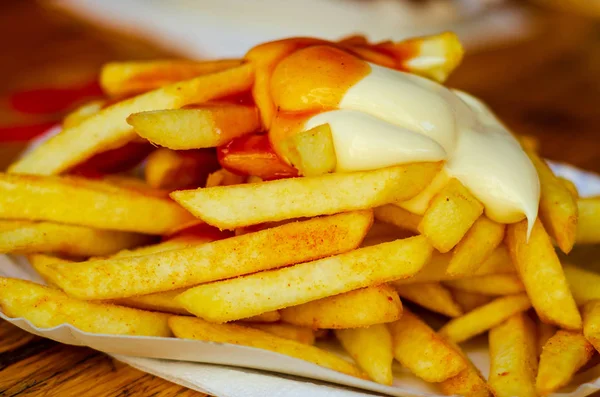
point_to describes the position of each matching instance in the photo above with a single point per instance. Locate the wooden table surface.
(547, 86)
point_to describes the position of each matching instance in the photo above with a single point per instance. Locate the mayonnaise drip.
(390, 118)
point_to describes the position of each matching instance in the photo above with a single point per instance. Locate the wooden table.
(548, 87)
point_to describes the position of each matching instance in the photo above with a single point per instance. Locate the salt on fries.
(311, 242)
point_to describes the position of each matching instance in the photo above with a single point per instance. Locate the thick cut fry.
(398, 216)
(199, 127)
(479, 242)
(48, 237)
(108, 128)
(175, 243)
(450, 215)
(160, 302)
(432, 296)
(359, 308)
(169, 169)
(52, 198)
(195, 328)
(544, 332)
(249, 295)
(235, 206)
(371, 349)
(417, 347)
(542, 274)
(312, 152)
(419, 204)
(591, 323)
(40, 263)
(558, 207)
(47, 307)
(299, 334)
(83, 112)
(588, 224)
(513, 357)
(485, 317)
(469, 300)
(585, 285)
(570, 186)
(468, 383)
(562, 356)
(120, 79)
(266, 317)
(267, 249)
(489, 284)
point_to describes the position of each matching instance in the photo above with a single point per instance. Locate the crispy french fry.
(562, 356)
(450, 215)
(48, 237)
(223, 177)
(397, 216)
(299, 334)
(470, 300)
(588, 224)
(542, 274)
(51, 198)
(267, 249)
(489, 284)
(485, 317)
(160, 302)
(482, 238)
(199, 127)
(371, 349)
(312, 152)
(126, 78)
(359, 308)
(591, 323)
(108, 128)
(419, 204)
(195, 328)
(249, 295)
(584, 284)
(47, 307)
(544, 332)
(83, 112)
(469, 382)
(266, 317)
(432, 296)
(169, 169)
(234, 206)
(558, 207)
(513, 357)
(175, 243)
(40, 263)
(417, 347)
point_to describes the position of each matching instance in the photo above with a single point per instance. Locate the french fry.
(201, 126)
(120, 79)
(223, 177)
(558, 207)
(384, 233)
(99, 205)
(40, 263)
(420, 203)
(195, 328)
(591, 323)
(266, 317)
(48, 237)
(312, 152)
(570, 186)
(489, 284)
(267, 249)
(417, 347)
(562, 356)
(108, 128)
(470, 300)
(484, 317)
(482, 238)
(542, 274)
(359, 308)
(242, 205)
(299, 334)
(432, 296)
(584, 284)
(513, 355)
(371, 349)
(469, 382)
(544, 332)
(588, 224)
(47, 307)
(256, 293)
(169, 169)
(397, 216)
(83, 112)
(160, 302)
(450, 215)
(175, 243)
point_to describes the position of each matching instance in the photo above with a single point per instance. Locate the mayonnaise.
(390, 118)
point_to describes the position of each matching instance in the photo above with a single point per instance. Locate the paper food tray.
(143, 352)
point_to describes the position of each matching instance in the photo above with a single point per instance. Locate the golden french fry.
(47, 307)
(420, 203)
(83, 112)
(470, 300)
(359, 308)
(480, 241)
(484, 317)
(201, 126)
(48, 237)
(558, 207)
(160, 302)
(542, 274)
(432, 296)
(175, 243)
(126, 78)
(588, 224)
(417, 347)
(544, 332)
(371, 349)
(267, 249)
(469, 383)
(51, 198)
(584, 284)
(299, 334)
(513, 356)
(170, 169)
(230, 207)
(256, 293)
(312, 152)
(570, 186)
(397, 216)
(591, 323)
(450, 215)
(223, 177)
(108, 128)
(266, 317)
(40, 263)
(384, 233)
(195, 328)
(489, 284)
(562, 356)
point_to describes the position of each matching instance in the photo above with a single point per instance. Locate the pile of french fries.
(222, 240)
